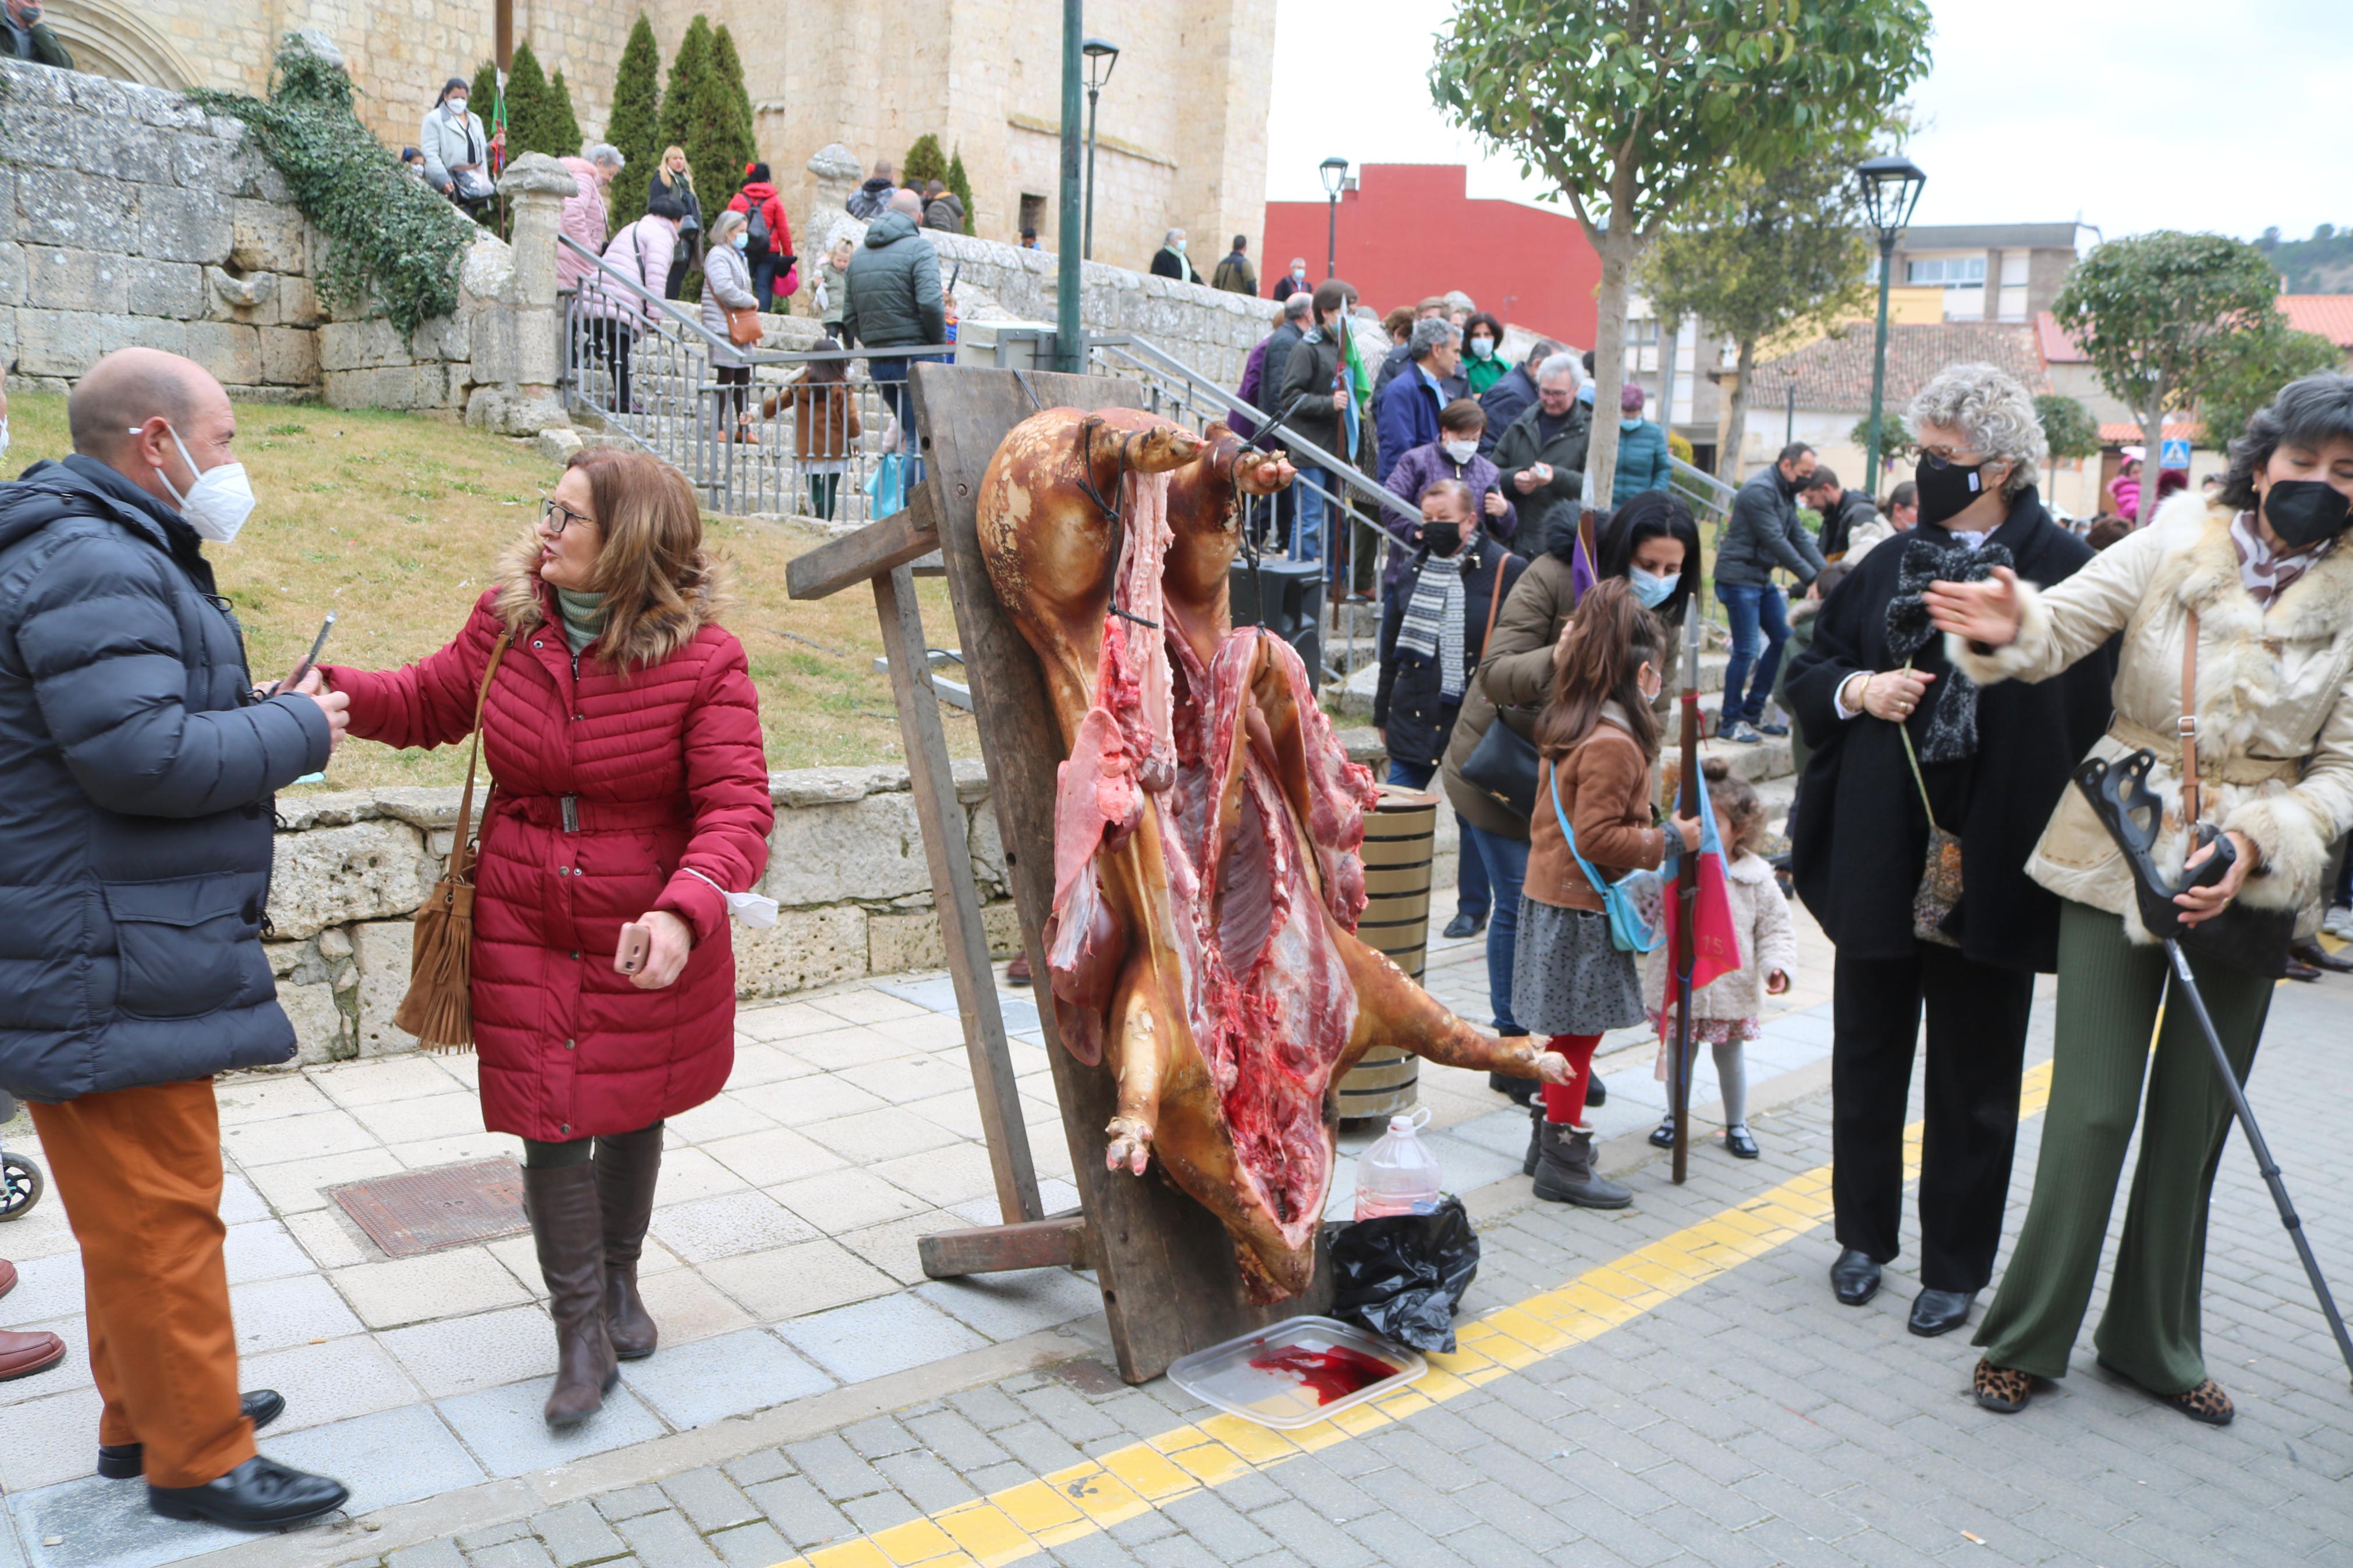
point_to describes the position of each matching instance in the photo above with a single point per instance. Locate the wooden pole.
(1686, 888)
(948, 847)
(503, 10)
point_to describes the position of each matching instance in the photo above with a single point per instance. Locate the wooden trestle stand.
(1165, 1264)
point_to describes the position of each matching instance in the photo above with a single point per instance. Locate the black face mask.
(1442, 537)
(1791, 487)
(2306, 512)
(1946, 490)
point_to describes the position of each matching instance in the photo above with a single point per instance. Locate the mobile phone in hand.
(309, 659)
(636, 943)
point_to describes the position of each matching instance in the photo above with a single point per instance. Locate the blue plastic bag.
(885, 488)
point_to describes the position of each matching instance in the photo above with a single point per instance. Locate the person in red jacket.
(777, 255)
(623, 732)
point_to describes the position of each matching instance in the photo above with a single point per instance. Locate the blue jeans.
(1506, 861)
(1307, 539)
(1753, 608)
(765, 268)
(1471, 893)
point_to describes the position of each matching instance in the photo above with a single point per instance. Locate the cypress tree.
(563, 125)
(960, 187)
(527, 107)
(923, 163)
(719, 144)
(482, 100)
(682, 100)
(635, 125)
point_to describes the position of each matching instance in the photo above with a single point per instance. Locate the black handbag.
(1504, 764)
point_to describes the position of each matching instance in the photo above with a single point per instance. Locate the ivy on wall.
(391, 243)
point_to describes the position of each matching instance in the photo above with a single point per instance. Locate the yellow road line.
(1020, 1521)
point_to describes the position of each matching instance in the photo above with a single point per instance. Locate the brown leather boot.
(569, 1229)
(627, 1167)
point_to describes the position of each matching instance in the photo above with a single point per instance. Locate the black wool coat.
(136, 772)
(1859, 831)
(1408, 708)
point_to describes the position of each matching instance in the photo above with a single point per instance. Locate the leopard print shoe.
(2206, 1403)
(2001, 1390)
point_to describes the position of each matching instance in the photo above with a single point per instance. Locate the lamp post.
(1103, 53)
(1890, 189)
(1335, 175)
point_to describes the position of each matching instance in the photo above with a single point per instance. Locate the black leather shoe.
(2310, 953)
(1466, 925)
(1662, 1136)
(259, 1494)
(1937, 1313)
(1595, 1092)
(1854, 1277)
(1523, 1090)
(124, 1461)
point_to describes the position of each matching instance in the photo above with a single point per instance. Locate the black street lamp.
(1890, 189)
(1100, 52)
(1335, 175)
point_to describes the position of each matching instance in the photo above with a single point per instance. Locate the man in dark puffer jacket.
(137, 765)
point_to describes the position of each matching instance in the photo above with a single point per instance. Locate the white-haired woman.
(727, 285)
(1990, 765)
(2257, 588)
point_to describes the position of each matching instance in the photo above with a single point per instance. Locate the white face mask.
(4, 437)
(220, 500)
(1482, 348)
(1299, 272)
(1461, 451)
(457, 109)
(1177, 245)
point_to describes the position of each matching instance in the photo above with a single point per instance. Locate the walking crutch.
(2131, 811)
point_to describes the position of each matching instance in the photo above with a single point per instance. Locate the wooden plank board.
(908, 535)
(1167, 1266)
(948, 849)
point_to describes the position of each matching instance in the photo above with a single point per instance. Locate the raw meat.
(1207, 873)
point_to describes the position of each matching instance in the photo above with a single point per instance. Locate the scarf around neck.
(2266, 573)
(584, 618)
(1952, 735)
(1433, 617)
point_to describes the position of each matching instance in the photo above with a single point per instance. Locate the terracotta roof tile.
(1834, 374)
(2127, 433)
(2331, 315)
(2059, 345)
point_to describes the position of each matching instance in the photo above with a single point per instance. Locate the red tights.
(1564, 1102)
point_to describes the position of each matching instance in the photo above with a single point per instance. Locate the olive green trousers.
(2109, 992)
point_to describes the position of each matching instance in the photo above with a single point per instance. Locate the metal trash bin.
(1400, 836)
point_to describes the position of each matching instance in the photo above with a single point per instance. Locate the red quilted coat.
(610, 787)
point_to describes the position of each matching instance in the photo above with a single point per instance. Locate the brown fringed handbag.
(439, 1007)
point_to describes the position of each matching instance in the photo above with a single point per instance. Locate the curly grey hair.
(1430, 333)
(1560, 365)
(607, 154)
(1993, 412)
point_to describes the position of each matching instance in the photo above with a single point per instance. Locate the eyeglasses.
(557, 516)
(1940, 456)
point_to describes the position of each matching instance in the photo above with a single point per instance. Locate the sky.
(2232, 119)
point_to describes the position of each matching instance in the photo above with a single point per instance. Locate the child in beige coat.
(1725, 1011)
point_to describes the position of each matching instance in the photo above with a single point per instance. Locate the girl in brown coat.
(1598, 739)
(825, 427)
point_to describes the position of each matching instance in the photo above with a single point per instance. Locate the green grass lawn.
(396, 522)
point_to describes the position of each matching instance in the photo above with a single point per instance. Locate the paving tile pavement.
(1735, 1416)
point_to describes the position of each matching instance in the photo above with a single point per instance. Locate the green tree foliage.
(563, 125)
(391, 243)
(528, 107)
(1896, 442)
(2320, 265)
(2249, 370)
(1770, 251)
(718, 142)
(2068, 427)
(483, 97)
(2154, 314)
(682, 100)
(635, 125)
(960, 184)
(923, 164)
(1633, 109)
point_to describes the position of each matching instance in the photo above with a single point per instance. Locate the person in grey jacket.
(24, 36)
(727, 285)
(1763, 533)
(1540, 461)
(895, 299)
(456, 148)
(138, 763)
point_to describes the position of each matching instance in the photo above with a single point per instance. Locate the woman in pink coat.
(632, 800)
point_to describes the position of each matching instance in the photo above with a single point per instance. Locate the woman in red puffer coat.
(623, 735)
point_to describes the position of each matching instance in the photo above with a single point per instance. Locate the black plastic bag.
(1402, 1276)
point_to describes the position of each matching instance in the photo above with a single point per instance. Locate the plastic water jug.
(1397, 1174)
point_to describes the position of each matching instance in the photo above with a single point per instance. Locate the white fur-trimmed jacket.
(2274, 704)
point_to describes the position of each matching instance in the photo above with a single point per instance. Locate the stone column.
(838, 173)
(536, 187)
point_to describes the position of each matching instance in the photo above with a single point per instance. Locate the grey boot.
(1536, 1139)
(1564, 1172)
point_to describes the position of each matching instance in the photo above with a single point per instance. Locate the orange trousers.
(140, 1172)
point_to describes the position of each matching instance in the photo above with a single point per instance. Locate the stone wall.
(846, 861)
(130, 217)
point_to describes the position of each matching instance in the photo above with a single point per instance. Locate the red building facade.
(1410, 230)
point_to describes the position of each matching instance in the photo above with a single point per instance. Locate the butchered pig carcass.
(1206, 828)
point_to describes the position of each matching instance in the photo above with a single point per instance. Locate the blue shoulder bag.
(1628, 931)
